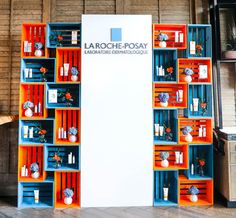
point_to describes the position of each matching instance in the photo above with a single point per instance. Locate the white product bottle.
(31, 132)
(59, 133)
(192, 169)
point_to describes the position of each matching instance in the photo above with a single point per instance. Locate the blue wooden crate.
(203, 152)
(164, 58)
(166, 178)
(73, 89)
(204, 94)
(201, 34)
(35, 64)
(64, 30)
(46, 124)
(50, 163)
(26, 194)
(166, 118)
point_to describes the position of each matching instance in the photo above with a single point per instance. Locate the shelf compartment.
(72, 56)
(168, 119)
(63, 152)
(37, 125)
(35, 64)
(203, 152)
(205, 197)
(172, 160)
(33, 32)
(201, 35)
(171, 89)
(165, 59)
(55, 101)
(170, 179)
(172, 30)
(196, 123)
(64, 30)
(204, 94)
(66, 119)
(26, 194)
(197, 65)
(33, 92)
(65, 180)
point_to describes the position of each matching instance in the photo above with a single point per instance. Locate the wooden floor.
(8, 209)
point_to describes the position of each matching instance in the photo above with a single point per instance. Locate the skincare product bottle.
(61, 71)
(192, 47)
(204, 131)
(26, 130)
(74, 37)
(181, 37)
(181, 158)
(163, 72)
(195, 104)
(26, 72)
(156, 129)
(36, 196)
(66, 69)
(73, 161)
(192, 169)
(59, 133)
(165, 190)
(177, 96)
(35, 109)
(39, 107)
(64, 135)
(160, 71)
(31, 132)
(177, 157)
(25, 46)
(181, 93)
(176, 36)
(26, 171)
(191, 107)
(23, 171)
(200, 131)
(161, 129)
(70, 158)
(30, 73)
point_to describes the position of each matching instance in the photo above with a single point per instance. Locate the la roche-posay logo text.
(116, 45)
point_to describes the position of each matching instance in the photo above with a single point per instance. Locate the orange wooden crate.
(71, 56)
(34, 32)
(67, 118)
(63, 180)
(195, 124)
(171, 149)
(205, 196)
(28, 155)
(33, 92)
(194, 65)
(170, 30)
(171, 89)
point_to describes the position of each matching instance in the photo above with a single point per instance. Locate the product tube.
(177, 96)
(160, 71)
(61, 71)
(26, 72)
(165, 190)
(204, 132)
(191, 107)
(36, 196)
(177, 157)
(25, 129)
(30, 73)
(157, 129)
(59, 133)
(181, 94)
(73, 159)
(192, 169)
(195, 104)
(23, 171)
(161, 129)
(200, 131)
(31, 132)
(176, 36)
(39, 107)
(157, 70)
(26, 171)
(25, 46)
(64, 135)
(66, 69)
(181, 158)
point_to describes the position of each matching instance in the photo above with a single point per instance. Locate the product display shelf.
(205, 196)
(199, 41)
(64, 120)
(200, 153)
(63, 35)
(174, 163)
(68, 60)
(27, 155)
(33, 33)
(201, 130)
(177, 35)
(38, 69)
(167, 179)
(165, 65)
(65, 180)
(201, 68)
(177, 95)
(199, 101)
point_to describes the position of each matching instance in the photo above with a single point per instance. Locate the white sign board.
(116, 114)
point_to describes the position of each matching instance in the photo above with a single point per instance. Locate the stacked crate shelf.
(179, 176)
(53, 113)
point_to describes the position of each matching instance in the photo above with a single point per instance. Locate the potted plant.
(34, 168)
(68, 193)
(188, 72)
(164, 156)
(162, 37)
(73, 132)
(163, 97)
(28, 105)
(186, 132)
(56, 38)
(38, 46)
(43, 71)
(74, 73)
(193, 191)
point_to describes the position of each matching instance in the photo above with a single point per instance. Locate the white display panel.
(116, 114)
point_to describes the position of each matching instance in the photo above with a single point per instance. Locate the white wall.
(116, 145)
